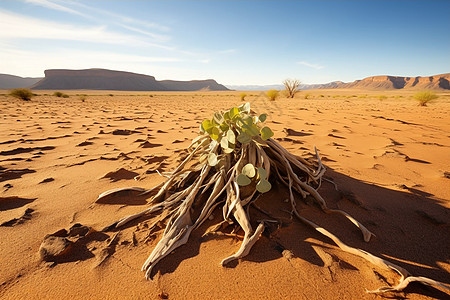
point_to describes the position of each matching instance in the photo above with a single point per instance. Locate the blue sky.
(233, 42)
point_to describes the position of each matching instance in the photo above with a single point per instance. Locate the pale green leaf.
(251, 130)
(234, 112)
(243, 180)
(262, 173)
(231, 136)
(249, 170)
(244, 138)
(212, 159)
(266, 133)
(214, 133)
(262, 117)
(263, 186)
(207, 125)
(224, 142)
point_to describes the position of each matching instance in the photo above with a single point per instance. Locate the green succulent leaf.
(234, 112)
(266, 133)
(224, 126)
(231, 137)
(245, 107)
(224, 142)
(226, 116)
(243, 180)
(262, 173)
(262, 117)
(263, 186)
(244, 138)
(207, 125)
(214, 133)
(212, 159)
(251, 130)
(249, 170)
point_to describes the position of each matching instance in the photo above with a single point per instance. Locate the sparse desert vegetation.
(425, 97)
(24, 94)
(60, 94)
(273, 94)
(291, 87)
(242, 96)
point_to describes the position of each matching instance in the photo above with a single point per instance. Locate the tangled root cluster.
(230, 165)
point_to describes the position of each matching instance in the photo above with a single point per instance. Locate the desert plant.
(60, 95)
(382, 97)
(111, 95)
(291, 86)
(242, 96)
(424, 97)
(83, 98)
(24, 94)
(307, 95)
(272, 94)
(231, 163)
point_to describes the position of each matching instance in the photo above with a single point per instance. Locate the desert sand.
(389, 158)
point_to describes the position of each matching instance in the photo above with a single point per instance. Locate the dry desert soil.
(389, 158)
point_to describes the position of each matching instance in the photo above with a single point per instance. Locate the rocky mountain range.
(102, 79)
(13, 82)
(386, 82)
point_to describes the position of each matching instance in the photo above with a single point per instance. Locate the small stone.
(53, 247)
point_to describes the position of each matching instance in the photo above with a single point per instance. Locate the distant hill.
(13, 82)
(281, 87)
(386, 82)
(102, 79)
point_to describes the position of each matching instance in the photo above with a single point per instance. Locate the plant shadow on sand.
(411, 230)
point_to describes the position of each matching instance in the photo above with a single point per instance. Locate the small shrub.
(307, 95)
(83, 98)
(111, 95)
(425, 97)
(242, 96)
(272, 94)
(24, 94)
(321, 96)
(60, 95)
(382, 97)
(291, 87)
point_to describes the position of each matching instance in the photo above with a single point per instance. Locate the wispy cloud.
(307, 64)
(117, 19)
(227, 51)
(16, 26)
(56, 6)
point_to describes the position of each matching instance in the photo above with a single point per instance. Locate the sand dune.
(388, 159)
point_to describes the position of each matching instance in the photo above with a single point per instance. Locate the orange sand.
(388, 159)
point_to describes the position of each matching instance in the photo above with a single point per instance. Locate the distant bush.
(382, 97)
(272, 94)
(425, 97)
(24, 94)
(111, 95)
(242, 96)
(83, 97)
(307, 95)
(60, 95)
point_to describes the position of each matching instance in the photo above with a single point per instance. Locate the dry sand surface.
(390, 160)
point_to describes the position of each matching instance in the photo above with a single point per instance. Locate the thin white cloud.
(227, 51)
(159, 37)
(16, 26)
(307, 64)
(123, 21)
(55, 6)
